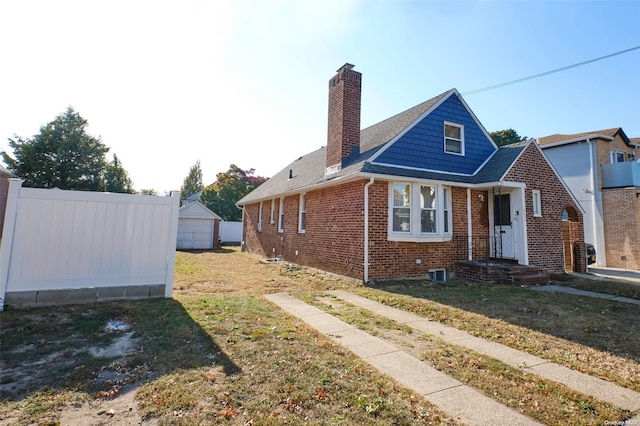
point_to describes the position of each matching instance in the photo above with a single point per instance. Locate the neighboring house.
(416, 195)
(191, 198)
(198, 227)
(5, 175)
(602, 170)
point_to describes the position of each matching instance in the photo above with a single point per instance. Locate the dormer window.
(453, 138)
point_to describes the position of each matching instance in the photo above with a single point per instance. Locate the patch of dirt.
(114, 407)
(121, 410)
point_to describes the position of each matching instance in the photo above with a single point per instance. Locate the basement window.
(453, 138)
(439, 275)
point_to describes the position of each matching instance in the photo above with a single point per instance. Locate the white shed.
(198, 227)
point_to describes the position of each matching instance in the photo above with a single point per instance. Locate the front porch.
(500, 271)
(481, 259)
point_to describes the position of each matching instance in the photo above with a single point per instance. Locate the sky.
(165, 84)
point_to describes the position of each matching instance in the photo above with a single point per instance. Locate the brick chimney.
(343, 136)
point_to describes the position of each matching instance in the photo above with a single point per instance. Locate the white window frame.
(445, 138)
(260, 217)
(302, 214)
(613, 155)
(273, 211)
(436, 274)
(281, 216)
(412, 202)
(536, 199)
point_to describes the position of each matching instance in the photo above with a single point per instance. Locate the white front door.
(505, 241)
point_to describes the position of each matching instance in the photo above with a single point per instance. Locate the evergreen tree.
(193, 182)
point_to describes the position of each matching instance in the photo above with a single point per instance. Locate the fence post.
(171, 247)
(6, 243)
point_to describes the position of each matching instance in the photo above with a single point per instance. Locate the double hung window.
(453, 138)
(281, 216)
(419, 212)
(302, 215)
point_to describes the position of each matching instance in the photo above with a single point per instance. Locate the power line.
(484, 89)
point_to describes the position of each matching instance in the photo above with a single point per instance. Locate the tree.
(506, 137)
(64, 156)
(116, 178)
(230, 186)
(193, 182)
(148, 192)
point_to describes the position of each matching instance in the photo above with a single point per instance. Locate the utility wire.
(484, 89)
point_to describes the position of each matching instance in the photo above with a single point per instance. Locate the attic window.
(453, 138)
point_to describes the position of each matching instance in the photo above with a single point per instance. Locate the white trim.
(614, 153)
(302, 210)
(260, 217)
(423, 170)
(273, 211)
(281, 216)
(435, 274)
(574, 140)
(461, 140)
(415, 234)
(536, 199)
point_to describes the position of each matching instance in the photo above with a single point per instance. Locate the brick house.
(412, 196)
(602, 170)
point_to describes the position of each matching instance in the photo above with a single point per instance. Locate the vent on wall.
(438, 275)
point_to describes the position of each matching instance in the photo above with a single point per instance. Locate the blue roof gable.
(422, 145)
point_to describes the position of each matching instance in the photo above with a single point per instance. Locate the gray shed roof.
(308, 171)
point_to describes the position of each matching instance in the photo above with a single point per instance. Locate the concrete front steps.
(501, 271)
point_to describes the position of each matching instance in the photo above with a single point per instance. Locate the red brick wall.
(621, 208)
(544, 234)
(344, 115)
(334, 235)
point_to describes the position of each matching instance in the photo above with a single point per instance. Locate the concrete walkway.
(603, 272)
(577, 292)
(455, 398)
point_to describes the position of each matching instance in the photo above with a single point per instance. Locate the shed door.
(195, 234)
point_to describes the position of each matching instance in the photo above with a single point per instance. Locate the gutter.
(366, 229)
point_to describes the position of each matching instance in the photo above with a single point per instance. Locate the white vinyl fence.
(231, 232)
(76, 246)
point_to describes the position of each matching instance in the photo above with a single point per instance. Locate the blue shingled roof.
(308, 171)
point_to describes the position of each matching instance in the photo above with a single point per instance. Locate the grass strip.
(593, 336)
(544, 400)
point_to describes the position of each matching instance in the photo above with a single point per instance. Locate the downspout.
(469, 226)
(366, 229)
